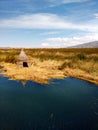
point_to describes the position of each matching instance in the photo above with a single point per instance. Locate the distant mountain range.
(5, 47)
(93, 44)
(87, 45)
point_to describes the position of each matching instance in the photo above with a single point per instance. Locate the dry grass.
(77, 73)
(52, 63)
(38, 73)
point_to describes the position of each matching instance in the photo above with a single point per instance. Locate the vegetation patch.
(52, 63)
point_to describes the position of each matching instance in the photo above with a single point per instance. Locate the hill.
(88, 45)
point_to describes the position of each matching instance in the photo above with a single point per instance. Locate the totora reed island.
(42, 65)
(48, 64)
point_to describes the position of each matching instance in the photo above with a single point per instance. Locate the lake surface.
(68, 104)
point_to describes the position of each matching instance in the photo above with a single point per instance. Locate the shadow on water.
(68, 104)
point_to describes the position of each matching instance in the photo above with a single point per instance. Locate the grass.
(79, 63)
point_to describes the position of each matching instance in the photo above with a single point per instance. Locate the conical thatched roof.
(23, 56)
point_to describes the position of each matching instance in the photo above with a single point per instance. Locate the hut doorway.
(25, 64)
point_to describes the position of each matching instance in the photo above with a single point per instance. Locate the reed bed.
(53, 63)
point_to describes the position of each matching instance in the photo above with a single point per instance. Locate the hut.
(23, 60)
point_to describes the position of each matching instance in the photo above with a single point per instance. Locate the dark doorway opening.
(25, 64)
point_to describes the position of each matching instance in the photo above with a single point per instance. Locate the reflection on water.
(94, 106)
(68, 104)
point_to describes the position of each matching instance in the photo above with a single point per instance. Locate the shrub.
(66, 64)
(81, 56)
(10, 59)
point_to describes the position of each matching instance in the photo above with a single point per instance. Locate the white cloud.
(69, 41)
(96, 15)
(45, 21)
(50, 33)
(73, 1)
(45, 44)
(59, 2)
(38, 21)
(54, 3)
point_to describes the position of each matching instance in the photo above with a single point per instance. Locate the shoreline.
(80, 74)
(43, 74)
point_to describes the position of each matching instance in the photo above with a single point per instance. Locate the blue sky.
(48, 23)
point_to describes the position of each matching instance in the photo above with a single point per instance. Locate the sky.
(48, 23)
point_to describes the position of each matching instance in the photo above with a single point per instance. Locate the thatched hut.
(23, 60)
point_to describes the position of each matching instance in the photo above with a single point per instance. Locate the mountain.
(88, 45)
(5, 47)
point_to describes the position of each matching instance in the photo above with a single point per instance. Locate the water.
(68, 104)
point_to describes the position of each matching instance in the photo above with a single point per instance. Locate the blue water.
(69, 104)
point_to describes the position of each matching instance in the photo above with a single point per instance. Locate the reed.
(75, 60)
